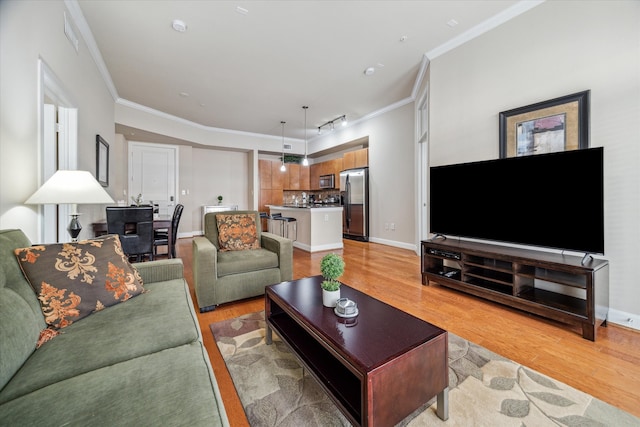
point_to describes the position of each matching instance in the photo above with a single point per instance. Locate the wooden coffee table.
(378, 367)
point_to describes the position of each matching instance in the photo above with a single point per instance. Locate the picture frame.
(102, 161)
(558, 124)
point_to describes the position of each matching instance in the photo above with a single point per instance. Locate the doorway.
(58, 149)
(153, 174)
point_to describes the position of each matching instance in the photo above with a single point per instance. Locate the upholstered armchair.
(224, 270)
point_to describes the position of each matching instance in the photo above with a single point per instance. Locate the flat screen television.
(551, 200)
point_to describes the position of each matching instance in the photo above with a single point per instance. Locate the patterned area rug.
(485, 388)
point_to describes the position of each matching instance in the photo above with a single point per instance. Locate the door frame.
(176, 158)
(50, 87)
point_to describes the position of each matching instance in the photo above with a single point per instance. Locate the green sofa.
(221, 276)
(140, 362)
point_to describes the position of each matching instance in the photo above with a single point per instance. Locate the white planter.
(329, 298)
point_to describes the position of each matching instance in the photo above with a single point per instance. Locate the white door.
(153, 174)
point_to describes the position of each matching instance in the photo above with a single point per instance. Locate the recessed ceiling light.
(369, 71)
(184, 94)
(241, 10)
(452, 23)
(403, 38)
(179, 25)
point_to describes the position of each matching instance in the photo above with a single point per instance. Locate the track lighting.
(330, 123)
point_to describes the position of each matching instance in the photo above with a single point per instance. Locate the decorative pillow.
(237, 232)
(73, 280)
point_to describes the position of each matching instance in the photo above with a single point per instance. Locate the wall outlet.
(326, 217)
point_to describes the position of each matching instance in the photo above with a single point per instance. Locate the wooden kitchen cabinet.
(314, 176)
(356, 159)
(293, 172)
(277, 176)
(264, 170)
(304, 178)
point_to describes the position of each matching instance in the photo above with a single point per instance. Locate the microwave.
(327, 181)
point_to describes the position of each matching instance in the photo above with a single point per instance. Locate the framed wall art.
(102, 161)
(545, 127)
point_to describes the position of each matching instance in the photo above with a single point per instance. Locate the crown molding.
(180, 120)
(85, 31)
(491, 23)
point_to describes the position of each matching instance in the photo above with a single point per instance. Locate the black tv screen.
(552, 200)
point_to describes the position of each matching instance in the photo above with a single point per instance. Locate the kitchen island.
(319, 227)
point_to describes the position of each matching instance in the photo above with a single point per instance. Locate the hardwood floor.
(608, 369)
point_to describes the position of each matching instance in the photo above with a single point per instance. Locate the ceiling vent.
(287, 146)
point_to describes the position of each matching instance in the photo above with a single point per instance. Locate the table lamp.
(71, 187)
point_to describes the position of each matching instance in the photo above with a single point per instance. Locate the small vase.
(329, 298)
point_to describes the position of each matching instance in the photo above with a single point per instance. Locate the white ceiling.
(248, 71)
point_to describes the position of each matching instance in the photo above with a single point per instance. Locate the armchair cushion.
(73, 280)
(235, 262)
(237, 232)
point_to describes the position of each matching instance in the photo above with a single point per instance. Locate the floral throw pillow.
(74, 280)
(237, 232)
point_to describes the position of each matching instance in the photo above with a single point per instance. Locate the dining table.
(160, 222)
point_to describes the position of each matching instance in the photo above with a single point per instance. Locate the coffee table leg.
(442, 404)
(268, 337)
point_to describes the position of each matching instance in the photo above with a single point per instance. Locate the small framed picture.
(556, 125)
(102, 161)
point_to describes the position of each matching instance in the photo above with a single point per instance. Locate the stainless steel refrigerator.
(354, 195)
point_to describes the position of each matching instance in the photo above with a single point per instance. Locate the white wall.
(555, 49)
(391, 172)
(30, 30)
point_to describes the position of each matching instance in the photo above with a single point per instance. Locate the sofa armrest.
(284, 249)
(161, 270)
(205, 268)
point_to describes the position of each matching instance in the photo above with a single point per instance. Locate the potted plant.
(331, 268)
(219, 200)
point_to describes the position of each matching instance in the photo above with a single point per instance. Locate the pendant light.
(305, 161)
(283, 168)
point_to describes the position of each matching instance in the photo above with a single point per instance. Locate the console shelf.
(551, 285)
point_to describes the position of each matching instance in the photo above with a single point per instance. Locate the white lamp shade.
(70, 186)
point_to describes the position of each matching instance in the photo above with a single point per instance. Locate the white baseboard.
(393, 243)
(624, 319)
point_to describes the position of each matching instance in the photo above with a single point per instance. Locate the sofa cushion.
(156, 320)
(237, 232)
(168, 388)
(18, 334)
(73, 280)
(234, 262)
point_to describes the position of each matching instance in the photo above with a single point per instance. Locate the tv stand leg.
(442, 404)
(589, 331)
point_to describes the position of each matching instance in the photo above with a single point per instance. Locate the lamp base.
(74, 227)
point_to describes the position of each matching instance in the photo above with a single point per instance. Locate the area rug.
(485, 388)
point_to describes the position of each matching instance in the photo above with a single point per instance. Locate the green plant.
(331, 267)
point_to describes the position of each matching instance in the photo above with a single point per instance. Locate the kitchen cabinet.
(277, 176)
(314, 176)
(304, 178)
(293, 172)
(356, 159)
(264, 170)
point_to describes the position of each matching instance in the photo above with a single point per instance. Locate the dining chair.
(161, 237)
(134, 225)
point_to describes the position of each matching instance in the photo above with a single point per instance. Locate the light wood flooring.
(608, 369)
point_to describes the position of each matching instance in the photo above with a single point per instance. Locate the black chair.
(134, 225)
(161, 237)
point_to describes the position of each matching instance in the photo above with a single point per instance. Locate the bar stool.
(286, 224)
(271, 225)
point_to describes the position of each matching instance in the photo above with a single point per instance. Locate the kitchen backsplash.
(324, 196)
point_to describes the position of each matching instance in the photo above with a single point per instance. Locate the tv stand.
(555, 286)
